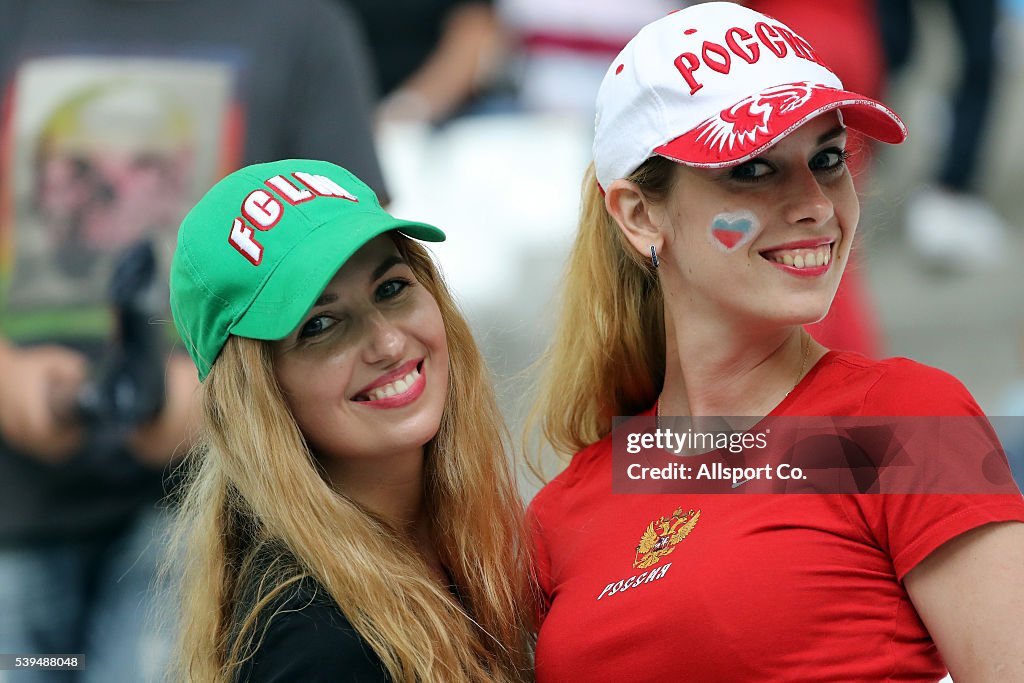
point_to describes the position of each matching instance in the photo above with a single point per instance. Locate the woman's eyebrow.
(325, 298)
(386, 265)
(831, 134)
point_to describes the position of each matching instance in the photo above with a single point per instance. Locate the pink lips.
(398, 400)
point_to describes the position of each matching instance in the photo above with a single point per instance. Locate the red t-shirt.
(762, 587)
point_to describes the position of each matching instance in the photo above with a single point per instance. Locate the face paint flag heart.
(731, 231)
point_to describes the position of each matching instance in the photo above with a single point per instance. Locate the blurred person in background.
(950, 224)
(563, 47)
(117, 116)
(1012, 407)
(431, 57)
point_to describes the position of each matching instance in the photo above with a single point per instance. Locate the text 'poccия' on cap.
(258, 249)
(714, 85)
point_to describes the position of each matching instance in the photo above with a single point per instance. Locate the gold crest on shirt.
(662, 535)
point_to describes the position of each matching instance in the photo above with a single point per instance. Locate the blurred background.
(475, 115)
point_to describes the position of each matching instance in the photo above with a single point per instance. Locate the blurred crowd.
(474, 115)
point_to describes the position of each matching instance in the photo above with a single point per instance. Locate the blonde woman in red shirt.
(716, 222)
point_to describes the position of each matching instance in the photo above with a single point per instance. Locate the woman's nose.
(805, 202)
(385, 340)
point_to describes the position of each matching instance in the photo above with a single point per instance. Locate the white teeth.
(399, 386)
(804, 258)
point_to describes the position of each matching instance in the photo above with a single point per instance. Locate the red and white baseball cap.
(714, 85)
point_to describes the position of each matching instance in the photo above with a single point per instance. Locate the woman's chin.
(802, 315)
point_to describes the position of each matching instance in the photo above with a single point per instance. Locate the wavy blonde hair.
(255, 491)
(607, 356)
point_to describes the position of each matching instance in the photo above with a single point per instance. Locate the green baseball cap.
(258, 249)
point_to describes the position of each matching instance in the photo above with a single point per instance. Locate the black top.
(403, 33)
(308, 639)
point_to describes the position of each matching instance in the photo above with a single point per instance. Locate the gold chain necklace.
(805, 342)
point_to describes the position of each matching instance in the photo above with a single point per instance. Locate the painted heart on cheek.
(732, 230)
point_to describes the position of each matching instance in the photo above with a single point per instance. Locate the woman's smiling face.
(366, 371)
(768, 238)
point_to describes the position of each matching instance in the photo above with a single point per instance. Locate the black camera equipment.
(127, 387)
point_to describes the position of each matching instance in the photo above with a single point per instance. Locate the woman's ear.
(637, 216)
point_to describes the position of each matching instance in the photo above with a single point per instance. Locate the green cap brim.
(290, 291)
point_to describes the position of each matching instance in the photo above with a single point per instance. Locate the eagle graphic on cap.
(741, 125)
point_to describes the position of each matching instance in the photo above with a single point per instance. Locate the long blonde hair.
(254, 491)
(607, 356)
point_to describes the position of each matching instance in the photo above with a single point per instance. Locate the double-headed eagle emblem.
(662, 535)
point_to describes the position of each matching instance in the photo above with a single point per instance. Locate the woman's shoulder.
(892, 386)
(589, 469)
(302, 634)
(590, 460)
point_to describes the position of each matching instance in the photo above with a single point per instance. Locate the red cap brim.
(751, 126)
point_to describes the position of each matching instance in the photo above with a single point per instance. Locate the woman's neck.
(389, 486)
(718, 370)
(392, 488)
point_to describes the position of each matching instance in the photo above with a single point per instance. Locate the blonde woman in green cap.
(350, 514)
